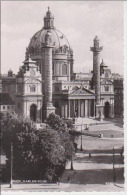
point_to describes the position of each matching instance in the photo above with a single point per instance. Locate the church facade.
(46, 82)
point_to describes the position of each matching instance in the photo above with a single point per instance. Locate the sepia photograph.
(62, 110)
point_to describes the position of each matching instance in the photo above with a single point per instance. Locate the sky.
(80, 21)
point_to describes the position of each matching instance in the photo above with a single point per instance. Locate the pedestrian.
(68, 179)
(58, 181)
(89, 155)
(121, 153)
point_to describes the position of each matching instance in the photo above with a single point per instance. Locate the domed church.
(46, 82)
(62, 54)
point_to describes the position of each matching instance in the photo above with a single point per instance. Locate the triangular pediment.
(82, 92)
(32, 81)
(106, 82)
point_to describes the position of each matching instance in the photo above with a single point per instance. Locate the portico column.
(74, 107)
(78, 108)
(60, 111)
(84, 108)
(89, 108)
(113, 107)
(94, 108)
(86, 112)
(65, 112)
(68, 108)
(26, 108)
(40, 111)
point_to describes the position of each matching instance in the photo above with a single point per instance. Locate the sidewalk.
(107, 187)
(33, 186)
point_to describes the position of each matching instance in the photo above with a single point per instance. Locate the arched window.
(106, 109)
(32, 88)
(64, 69)
(33, 112)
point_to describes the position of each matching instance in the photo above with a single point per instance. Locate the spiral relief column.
(96, 49)
(47, 56)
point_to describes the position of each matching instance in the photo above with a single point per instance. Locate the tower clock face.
(32, 72)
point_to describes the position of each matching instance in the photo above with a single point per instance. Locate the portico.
(75, 104)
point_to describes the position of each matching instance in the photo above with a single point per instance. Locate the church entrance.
(106, 110)
(33, 112)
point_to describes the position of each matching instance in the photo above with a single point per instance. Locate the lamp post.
(71, 159)
(46, 125)
(114, 174)
(81, 139)
(11, 181)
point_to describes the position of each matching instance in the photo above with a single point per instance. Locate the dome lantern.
(49, 20)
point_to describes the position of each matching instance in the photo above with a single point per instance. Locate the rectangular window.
(32, 88)
(8, 107)
(106, 88)
(3, 107)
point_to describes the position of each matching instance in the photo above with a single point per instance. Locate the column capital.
(93, 49)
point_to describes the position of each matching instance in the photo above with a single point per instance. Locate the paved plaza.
(94, 165)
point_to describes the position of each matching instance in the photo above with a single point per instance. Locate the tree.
(20, 132)
(57, 124)
(51, 153)
(38, 154)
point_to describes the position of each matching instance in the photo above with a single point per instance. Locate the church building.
(46, 81)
